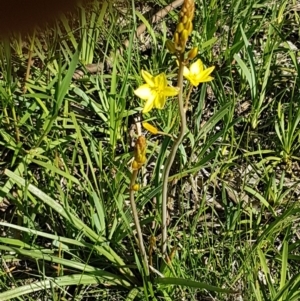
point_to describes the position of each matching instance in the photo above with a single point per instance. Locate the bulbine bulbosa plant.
(154, 94)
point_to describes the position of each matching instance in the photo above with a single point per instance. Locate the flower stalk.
(183, 30)
(139, 160)
(156, 89)
(171, 157)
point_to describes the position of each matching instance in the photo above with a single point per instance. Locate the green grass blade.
(190, 283)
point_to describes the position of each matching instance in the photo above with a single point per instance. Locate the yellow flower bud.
(176, 38)
(188, 8)
(135, 187)
(143, 159)
(152, 241)
(149, 127)
(183, 37)
(180, 27)
(135, 165)
(184, 19)
(189, 26)
(170, 46)
(192, 53)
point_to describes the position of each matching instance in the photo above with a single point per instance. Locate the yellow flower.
(197, 74)
(155, 91)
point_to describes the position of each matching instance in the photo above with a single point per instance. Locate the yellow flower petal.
(159, 101)
(171, 91)
(149, 104)
(161, 80)
(186, 71)
(143, 92)
(194, 82)
(197, 67)
(208, 71)
(149, 79)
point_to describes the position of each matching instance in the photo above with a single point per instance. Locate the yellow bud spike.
(189, 8)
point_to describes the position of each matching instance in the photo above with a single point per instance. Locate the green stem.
(140, 240)
(171, 157)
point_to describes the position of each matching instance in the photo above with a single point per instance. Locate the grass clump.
(89, 212)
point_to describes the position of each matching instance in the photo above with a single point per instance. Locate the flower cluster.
(156, 89)
(185, 26)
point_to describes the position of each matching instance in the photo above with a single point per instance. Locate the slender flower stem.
(186, 106)
(140, 240)
(171, 157)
